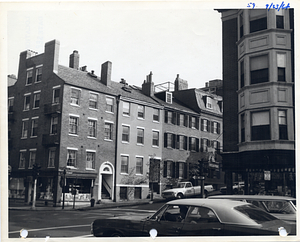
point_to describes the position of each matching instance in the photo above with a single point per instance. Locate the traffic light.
(36, 168)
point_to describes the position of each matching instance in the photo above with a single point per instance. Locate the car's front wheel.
(179, 196)
(116, 234)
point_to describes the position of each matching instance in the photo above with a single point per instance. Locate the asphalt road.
(67, 223)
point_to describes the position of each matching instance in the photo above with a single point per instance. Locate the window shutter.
(185, 142)
(212, 126)
(197, 145)
(201, 148)
(177, 169)
(208, 143)
(190, 121)
(197, 123)
(208, 126)
(165, 168)
(165, 139)
(186, 120)
(202, 124)
(166, 116)
(190, 143)
(178, 119)
(218, 128)
(173, 169)
(185, 171)
(173, 141)
(177, 141)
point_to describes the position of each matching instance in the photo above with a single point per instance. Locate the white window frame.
(25, 108)
(142, 137)
(30, 163)
(141, 166)
(54, 99)
(34, 99)
(75, 101)
(52, 124)
(33, 127)
(25, 122)
(51, 160)
(93, 100)
(77, 124)
(76, 151)
(39, 67)
(93, 161)
(123, 112)
(155, 131)
(107, 105)
(23, 152)
(128, 126)
(29, 70)
(94, 121)
(122, 172)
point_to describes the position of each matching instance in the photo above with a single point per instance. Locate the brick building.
(258, 83)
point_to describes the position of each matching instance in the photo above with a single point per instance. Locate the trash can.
(92, 202)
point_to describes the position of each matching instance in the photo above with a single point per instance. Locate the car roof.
(253, 197)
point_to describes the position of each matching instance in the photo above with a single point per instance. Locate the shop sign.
(267, 175)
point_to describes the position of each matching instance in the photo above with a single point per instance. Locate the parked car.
(185, 189)
(281, 207)
(237, 186)
(195, 217)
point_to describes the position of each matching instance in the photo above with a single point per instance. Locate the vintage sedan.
(195, 217)
(281, 207)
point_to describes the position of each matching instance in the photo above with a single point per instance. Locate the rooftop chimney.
(148, 86)
(51, 56)
(74, 60)
(106, 73)
(180, 84)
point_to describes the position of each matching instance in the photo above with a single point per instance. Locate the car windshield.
(179, 185)
(281, 207)
(258, 215)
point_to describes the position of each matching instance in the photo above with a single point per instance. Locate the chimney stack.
(148, 86)
(74, 60)
(51, 56)
(180, 84)
(106, 73)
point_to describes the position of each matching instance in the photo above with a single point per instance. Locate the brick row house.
(103, 139)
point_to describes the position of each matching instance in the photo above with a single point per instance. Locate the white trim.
(76, 88)
(29, 69)
(37, 91)
(127, 125)
(157, 130)
(110, 96)
(55, 87)
(11, 98)
(74, 115)
(25, 119)
(127, 185)
(139, 127)
(94, 151)
(70, 148)
(38, 66)
(27, 94)
(24, 150)
(108, 121)
(95, 119)
(124, 155)
(34, 149)
(35, 117)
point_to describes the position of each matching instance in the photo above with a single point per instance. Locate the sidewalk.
(16, 204)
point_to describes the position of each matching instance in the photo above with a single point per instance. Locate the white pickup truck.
(185, 189)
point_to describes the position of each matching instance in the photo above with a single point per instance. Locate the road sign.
(267, 175)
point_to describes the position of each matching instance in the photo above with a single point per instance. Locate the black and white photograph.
(148, 120)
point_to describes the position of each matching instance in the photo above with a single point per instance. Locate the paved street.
(67, 223)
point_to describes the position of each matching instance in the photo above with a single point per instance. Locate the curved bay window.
(260, 126)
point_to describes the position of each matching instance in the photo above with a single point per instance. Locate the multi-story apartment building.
(192, 132)
(258, 83)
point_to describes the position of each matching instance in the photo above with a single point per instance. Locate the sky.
(168, 38)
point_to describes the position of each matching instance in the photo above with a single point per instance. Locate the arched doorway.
(106, 181)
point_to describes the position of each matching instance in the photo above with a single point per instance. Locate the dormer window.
(169, 97)
(209, 103)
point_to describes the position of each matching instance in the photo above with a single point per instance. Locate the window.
(156, 114)
(193, 122)
(258, 20)
(51, 161)
(180, 170)
(170, 117)
(32, 157)
(109, 104)
(73, 125)
(139, 165)
(281, 65)
(29, 77)
(194, 144)
(181, 121)
(90, 160)
(141, 111)
(54, 125)
(209, 103)
(140, 136)
(93, 102)
(26, 102)
(279, 22)
(34, 127)
(168, 168)
(260, 126)
(182, 142)
(169, 140)
(243, 128)
(108, 131)
(75, 96)
(204, 124)
(71, 158)
(282, 125)
(169, 97)
(36, 100)
(24, 128)
(22, 159)
(124, 164)
(259, 68)
(242, 74)
(155, 138)
(204, 144)
(56, 94)
(10, 104)
(214, 127)
(92, 128)
(126, 108)
(137, 193)
(123, 193)
(125, 133)
(38, 74)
